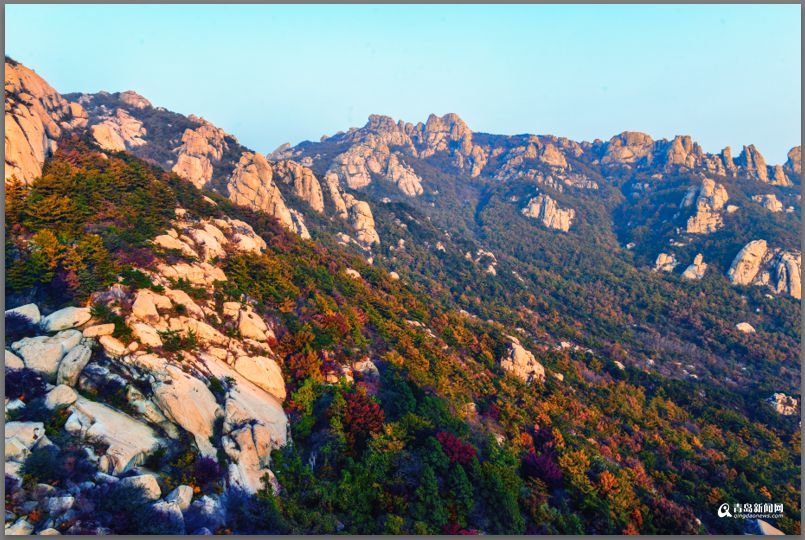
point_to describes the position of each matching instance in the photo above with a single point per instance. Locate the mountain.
(401, 328)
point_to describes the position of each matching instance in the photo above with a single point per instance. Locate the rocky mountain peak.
(36, 116)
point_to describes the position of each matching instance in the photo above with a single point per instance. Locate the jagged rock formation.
(119, 131)
(521, 363)
(36, 116)
(756, 264)
(545, 209)
(769, 202)
(199, 149)
(794, 164)
(710, 199)
(252, 184)
(304, 183)
(696, 269)
(665, 263)
(629, 147)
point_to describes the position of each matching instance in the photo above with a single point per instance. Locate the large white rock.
(145, 334)
(98, 330)
(21, 527)
(28, 310)
(128, 439)
(188, 402)
(113, 346)
(13, 361)
(27, 433)
(248, 403)
(522, 364)
(69, 317)
(745, 327)
(253, 445)
(746, 264)
(71, 365)
(146, 304)
(61, 396)
(264, 372)
(182, 496)
(43, 353)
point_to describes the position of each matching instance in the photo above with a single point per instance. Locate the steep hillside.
(182, 358)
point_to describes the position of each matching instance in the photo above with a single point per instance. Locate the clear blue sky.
(727, 75)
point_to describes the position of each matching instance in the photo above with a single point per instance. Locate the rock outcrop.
(119, 131)
(546, 210)
(630, 147)
(769, 202)
(521, 363)
(35, 117)
(778, 269)
(252, 184)
(304, 183)
(200, 148)
(794, 164)
(746, 265)
(710, 199)
(697, 268)
(783, 404)
(665, 263)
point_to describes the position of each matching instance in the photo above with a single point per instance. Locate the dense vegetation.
(442, 440)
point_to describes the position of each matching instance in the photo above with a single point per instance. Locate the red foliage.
(455, 449)
(363, 416)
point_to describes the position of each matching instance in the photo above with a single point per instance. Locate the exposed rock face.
(252, 184)
(683, 151)
(36, 116)
(665, 263)
(778, 269)
(787, 273)
(522, 364)
(199, 149)
(134, 99)
(794, 164)
(545, 209)
(752, 163)
(449, 134)
(783, 404)
(119, 131)
(362, 220)
(769, 202)
(710, 200)
(696, 269)
(305, 185)
(630, 147)
(746, 265)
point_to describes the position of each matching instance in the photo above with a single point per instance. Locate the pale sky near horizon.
(270, 74)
